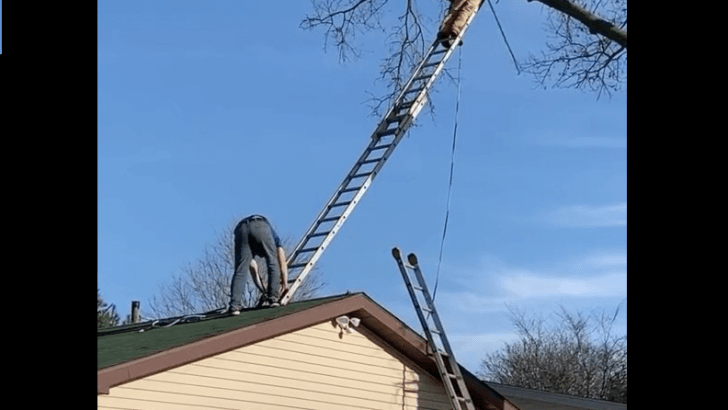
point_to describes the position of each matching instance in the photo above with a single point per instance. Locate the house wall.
(318, 368)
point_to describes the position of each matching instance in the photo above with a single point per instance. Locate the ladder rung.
(414, 90)
(296, 266)
(334, 218)
(382, 146)
(390, 131)
(352, 189)
(369, 161)
(423, 77)
(308, 249)
(428, 65)
(345, 202)
(363, 174)
(396, 119)
(299, 260)
(313, 235)
(297, 255)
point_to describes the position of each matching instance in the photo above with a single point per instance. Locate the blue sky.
(210, 111)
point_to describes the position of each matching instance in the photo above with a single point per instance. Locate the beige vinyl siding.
(316, 368)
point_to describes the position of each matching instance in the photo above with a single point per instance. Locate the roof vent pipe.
(135, 311)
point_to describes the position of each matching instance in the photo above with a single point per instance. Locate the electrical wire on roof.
(452, 168)
(187, 318)
(160, 323)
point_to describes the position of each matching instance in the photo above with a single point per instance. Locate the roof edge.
(372, 315)
(557, 398)
(124, 372)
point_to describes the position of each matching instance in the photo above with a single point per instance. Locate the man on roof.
(254, 236)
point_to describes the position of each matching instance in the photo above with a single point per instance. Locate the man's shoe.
(234, 311)
(275, 304)
(448, 40)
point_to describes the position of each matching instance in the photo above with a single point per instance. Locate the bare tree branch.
(576, 58)
(579, 58)
(587, 50)
(579, 355)
(406, 48)
(341, 19)
(595, 23)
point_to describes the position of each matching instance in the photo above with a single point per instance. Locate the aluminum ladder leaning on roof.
(384, 140)
(446, 363)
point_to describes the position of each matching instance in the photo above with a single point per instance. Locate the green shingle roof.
(122, 344)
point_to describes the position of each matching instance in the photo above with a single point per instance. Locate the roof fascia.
(387, 326)
(145, 366)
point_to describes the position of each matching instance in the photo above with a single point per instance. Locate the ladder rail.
(408, 284)
(297, 261)
(341, 218)
(430, 303)
(460, 397)
(401, 128)
(413, 111)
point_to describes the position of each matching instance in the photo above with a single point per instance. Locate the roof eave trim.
(142, 367)
(372, 315)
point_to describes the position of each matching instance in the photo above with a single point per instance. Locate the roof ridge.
(129, 343)
(197, 317)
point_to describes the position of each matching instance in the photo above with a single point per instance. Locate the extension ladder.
(446, 363)
(384, 140)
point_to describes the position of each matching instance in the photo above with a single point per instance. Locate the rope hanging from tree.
(452, 168)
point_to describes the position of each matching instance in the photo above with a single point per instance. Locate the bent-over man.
(254, 236)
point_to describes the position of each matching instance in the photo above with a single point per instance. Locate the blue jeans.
(254, 238)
